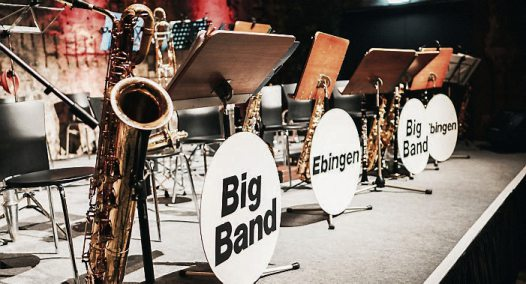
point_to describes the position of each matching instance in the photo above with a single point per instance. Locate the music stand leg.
(329, 216)
(269, 271)
(457, 156)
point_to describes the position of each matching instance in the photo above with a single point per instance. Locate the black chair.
(71, 124)
(25, 164)
(96, 107)
(204, 127)
(352, 104)
(271, 112)
(297, 111)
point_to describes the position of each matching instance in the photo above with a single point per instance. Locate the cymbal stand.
(379, 183)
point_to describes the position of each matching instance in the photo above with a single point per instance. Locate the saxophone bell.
(141, 103)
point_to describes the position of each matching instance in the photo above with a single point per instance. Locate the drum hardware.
(380, 183)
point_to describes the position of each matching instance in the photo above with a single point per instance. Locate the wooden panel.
(386, 64)
(438, 66)
(326, 57)
(241, 26)
(246, 59)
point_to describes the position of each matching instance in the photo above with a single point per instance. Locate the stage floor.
(402, 240)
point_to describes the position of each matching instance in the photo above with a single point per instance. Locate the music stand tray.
(434, 73)
(325, 58)
(388, 65)
(421, 60)
(237, 62)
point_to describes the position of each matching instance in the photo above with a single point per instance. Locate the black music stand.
(380, 71)
(183, 33)
(215, 73)
(461, 67)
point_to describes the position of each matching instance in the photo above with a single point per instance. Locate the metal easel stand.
(379, 183)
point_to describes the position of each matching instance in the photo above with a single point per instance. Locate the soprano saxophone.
(317, 112)
(132, 107)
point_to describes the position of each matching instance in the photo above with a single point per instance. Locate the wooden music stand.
(227, 68)
(421, 60)
(317, 82)
(252, 27)
(321, 71)
(380, 71)
(433, 74)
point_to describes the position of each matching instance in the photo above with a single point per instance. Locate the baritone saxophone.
(132, 107)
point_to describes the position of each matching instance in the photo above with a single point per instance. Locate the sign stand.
(316, 83)
(215, 73)
(380, 72)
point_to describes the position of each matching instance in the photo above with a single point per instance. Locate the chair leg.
(204, 158)
(52, 218)
(68, 232)
(155, 200)
(87, 143)
(196, 202)
(67, 141)
(174, 195)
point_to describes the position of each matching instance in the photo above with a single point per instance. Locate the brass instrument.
(252, 116)
(132, 107)
(372, 140)
(165, 70)
(166, 138)
(364, 140)
(388, 125)
(317, 112)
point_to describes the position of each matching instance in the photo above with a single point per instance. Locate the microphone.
(77, 4)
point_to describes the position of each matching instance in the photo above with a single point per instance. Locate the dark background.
(492, 30)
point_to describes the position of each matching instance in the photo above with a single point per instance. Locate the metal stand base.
(460, 157)
(299, 185)
(269, 271)
(329, 216)
(380, 184)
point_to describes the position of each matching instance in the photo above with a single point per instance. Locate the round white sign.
(413, 134)
(240, 209)
(443, 130)
(335, 161)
